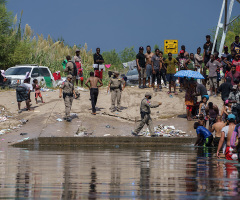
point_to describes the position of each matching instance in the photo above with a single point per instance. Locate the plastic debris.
(23, 133)
(106, 135)
(107, 126)
(165, 131)
(23, 121)
(3, 119)
(59, 120)
(73, 115)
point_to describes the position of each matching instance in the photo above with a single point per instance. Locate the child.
(204, 136)
(226, 110)
(203, 105)
(202, 121)
(37, 90)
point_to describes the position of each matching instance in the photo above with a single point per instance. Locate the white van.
(17, 74)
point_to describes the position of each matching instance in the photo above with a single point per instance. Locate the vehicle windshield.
(17, 71)
(132, 72)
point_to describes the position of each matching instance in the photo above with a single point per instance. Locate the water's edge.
(126, 141)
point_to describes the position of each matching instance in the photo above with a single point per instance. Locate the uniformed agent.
(67, 91)
(116, 86)
(145, 111)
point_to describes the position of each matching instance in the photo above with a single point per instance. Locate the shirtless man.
(217, 127)
(227, 132)
(93, 90)
(149, 56)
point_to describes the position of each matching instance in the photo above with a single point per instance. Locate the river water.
(116, 173)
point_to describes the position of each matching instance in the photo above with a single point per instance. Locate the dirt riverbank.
(42, 121)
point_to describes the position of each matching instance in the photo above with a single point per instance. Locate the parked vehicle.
(132, 76)
(17, 74)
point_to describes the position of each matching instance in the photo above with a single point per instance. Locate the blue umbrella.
(189, 74)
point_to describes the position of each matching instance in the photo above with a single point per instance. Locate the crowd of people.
(222, 74)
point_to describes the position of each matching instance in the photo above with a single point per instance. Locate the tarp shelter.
(131, 64)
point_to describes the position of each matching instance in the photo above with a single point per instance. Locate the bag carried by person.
(75, 71)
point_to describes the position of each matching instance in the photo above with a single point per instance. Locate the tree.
(155, 47)
(233, 30)
(128, 54)
(111, 57)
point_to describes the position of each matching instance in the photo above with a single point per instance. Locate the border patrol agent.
(116, 86)
(145, 111)
(67, 91)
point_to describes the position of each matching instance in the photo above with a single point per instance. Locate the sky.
(112, 24)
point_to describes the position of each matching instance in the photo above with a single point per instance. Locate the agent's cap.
(69, 76)
(231, 116)
(116, 72)
(77, 50)
(148, 94)
(141, 48)
(225, 47)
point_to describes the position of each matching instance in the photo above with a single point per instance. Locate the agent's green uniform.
(145, 111)
(116, 92)
(67, 96)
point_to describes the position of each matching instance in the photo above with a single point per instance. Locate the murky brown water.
(116, 173)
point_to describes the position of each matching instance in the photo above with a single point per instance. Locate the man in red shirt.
(234, 75)
(236, 62)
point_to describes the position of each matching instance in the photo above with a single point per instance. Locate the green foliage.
(233, 30)
(128, 54)
(155, 47)
(19, 46)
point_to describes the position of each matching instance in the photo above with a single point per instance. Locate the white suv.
(17, 74)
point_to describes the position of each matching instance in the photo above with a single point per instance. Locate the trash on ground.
(44, 89)
(106, 135)
(23, 133)
(73, 115)
(107, 126)
(3, 119)
(59, 120)
(23, 121)
(165, 131)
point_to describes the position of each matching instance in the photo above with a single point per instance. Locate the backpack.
(74, 68)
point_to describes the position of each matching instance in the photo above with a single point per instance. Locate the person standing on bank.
(145, 111)
(148, 56)
(77, 59)
(93, 90)
(98, 59)
(116, 86)
(67, 91)
(141, 66)
(156, 70)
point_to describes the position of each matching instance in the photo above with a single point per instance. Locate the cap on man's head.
(141, 48)
(183, 46)
(181, 51)
(69, 76)
(148, 94)
(77, 50)
(231, 116)
(116, 72)
(225, 47)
